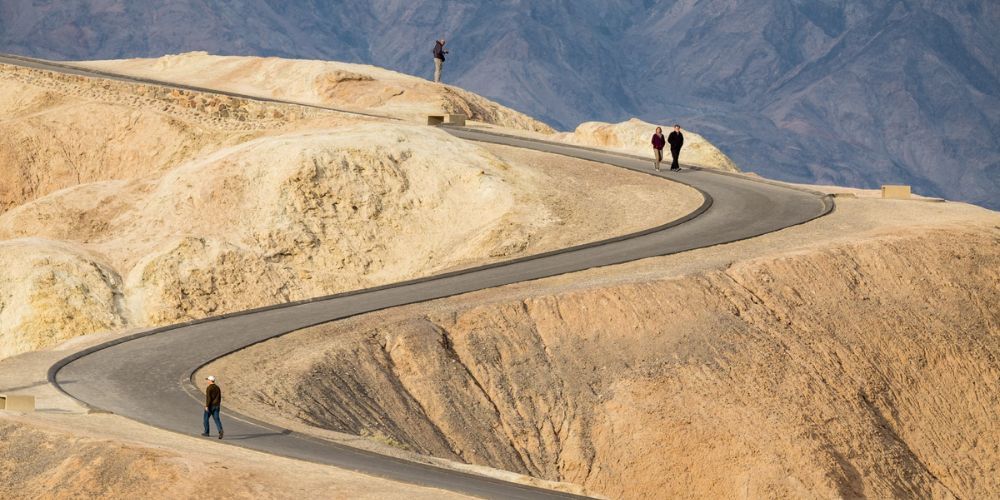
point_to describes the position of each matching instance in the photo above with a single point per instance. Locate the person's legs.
(218, 421)
(658, 157)
(437, 69)
(675, 153)
(205, 419)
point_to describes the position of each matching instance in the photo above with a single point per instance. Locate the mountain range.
(846, 92)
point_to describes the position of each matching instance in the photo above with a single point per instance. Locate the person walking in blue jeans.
(213, 403)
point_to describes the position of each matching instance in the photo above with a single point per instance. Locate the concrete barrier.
(455, 119)
(891, 192)
(17, 403)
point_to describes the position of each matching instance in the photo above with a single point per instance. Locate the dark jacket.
(676, 140)
(213, 396)
(439, 51)
(659, 141)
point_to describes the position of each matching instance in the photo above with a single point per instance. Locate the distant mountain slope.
(835, 91)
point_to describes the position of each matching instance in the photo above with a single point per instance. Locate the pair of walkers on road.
(676, 142)
(213, 405)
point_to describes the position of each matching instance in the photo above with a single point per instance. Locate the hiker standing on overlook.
(213, 404)
(658, 142)
(676, 141)
(439, 53)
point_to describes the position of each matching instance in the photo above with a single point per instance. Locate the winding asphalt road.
(147, 376)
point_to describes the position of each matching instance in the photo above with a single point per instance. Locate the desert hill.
(852, 356)
(128, 206)
(845, 92)
(356, 87)
(376, 90)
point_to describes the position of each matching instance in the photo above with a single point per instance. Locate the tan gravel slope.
(75, 457)
(854, 356)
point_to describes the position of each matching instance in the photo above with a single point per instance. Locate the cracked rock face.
(51, 292)
(750, 380)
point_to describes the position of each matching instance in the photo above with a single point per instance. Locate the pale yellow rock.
(56, 140)
(634, 137)
(285, 217)
(50, 292)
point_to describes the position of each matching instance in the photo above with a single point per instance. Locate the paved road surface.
(147, 377)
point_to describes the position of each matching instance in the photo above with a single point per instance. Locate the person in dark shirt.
(213, 404)
(658, 142)
(439, 53)
(676, 141)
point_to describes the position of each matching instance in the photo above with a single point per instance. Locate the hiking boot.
(204, 434)
(220, 434)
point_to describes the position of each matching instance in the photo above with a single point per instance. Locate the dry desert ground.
(857, 355)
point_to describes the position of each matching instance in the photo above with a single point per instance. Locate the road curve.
(147, 376)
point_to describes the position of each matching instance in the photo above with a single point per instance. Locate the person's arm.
(208, 397)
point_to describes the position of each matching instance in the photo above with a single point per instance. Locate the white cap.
(210, 378)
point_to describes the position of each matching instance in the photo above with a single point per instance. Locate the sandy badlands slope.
(853, 356)
(129, 206)
(104, 456)
(373, 89)
(327, 83)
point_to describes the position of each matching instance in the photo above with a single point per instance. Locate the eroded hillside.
(357, 87)
(130, 205)
(807, 362)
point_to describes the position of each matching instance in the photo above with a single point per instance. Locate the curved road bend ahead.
(147, 377)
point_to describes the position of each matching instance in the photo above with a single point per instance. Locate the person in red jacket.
(676, 141)
(658, 142)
